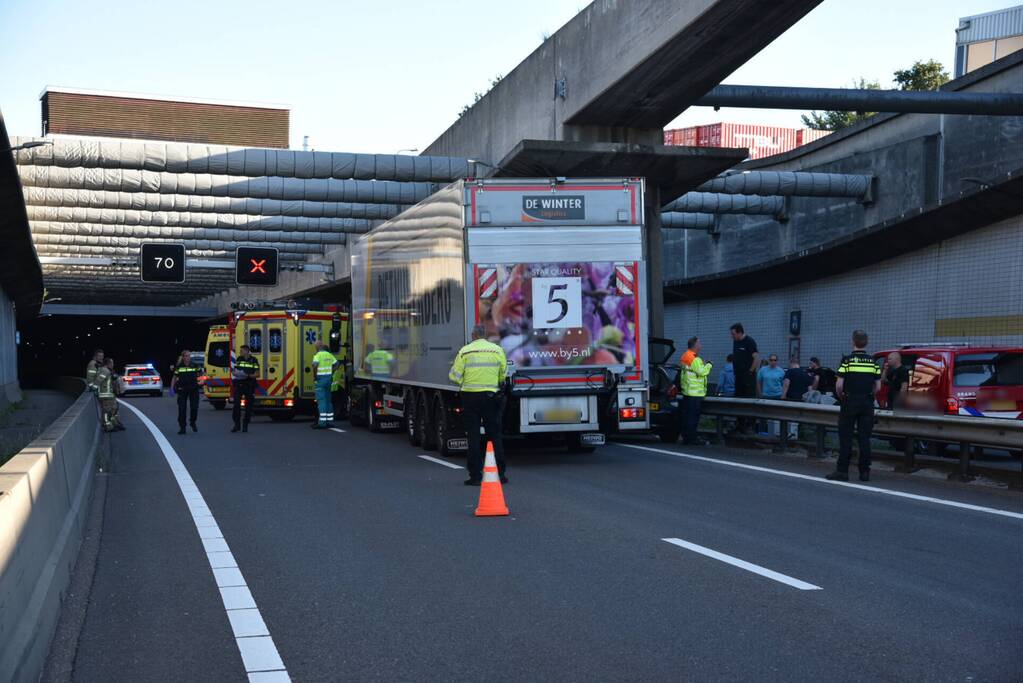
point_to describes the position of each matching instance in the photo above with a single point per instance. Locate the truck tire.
(218, 403)
(372, 420)
(574, 443)
(355, 415)
(412, 426)
(423, 418)
(441, 428)
(340, 403)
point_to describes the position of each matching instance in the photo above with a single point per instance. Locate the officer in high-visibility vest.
(106, 389)
(186, 385)
(378, 361)
(323, 368)
(480, 370)
(93, 367)
(244, 376)
(859, 380)
(693, 373)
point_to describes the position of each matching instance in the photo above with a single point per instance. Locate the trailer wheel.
(423, 420)
(218, 403)
(412, 426)
(440, 420)
(355, 415)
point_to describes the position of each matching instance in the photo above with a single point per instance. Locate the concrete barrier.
(44, 496)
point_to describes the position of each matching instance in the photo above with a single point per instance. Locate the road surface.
(343, 555)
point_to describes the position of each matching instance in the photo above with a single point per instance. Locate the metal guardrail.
(965, 431)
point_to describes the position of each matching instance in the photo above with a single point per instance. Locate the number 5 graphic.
(557, 302)
(552, 299)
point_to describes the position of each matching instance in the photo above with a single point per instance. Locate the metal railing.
(965, 431)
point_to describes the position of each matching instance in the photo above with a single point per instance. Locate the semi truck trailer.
(553, 268)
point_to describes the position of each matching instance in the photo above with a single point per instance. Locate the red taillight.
(952, 406)
(378, 404)
(289, 402)
(632, 413)
(243, 403)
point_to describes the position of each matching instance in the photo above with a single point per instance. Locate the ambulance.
(284, 342)
(217, 372)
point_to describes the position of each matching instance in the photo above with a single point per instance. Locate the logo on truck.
(553, 207)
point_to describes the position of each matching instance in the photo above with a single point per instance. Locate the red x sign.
(257, 266)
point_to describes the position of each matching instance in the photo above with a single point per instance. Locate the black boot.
(837, 476)
(245, 426)
(194, 428)
(235, 429)
(181, 430)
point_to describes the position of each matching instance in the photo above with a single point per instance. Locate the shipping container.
(761, 141)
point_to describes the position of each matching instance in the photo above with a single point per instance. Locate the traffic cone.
(491, 494)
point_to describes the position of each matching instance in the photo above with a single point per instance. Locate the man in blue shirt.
(770, 379)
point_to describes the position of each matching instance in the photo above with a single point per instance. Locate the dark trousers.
(188, 399)
(246, 390)
(857, 413)
(691, 418)
(745, 387)
(482, 408)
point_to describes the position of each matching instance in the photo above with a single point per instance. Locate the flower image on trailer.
(560, 314)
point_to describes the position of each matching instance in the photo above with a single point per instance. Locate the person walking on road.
(243, 383)
(480, 369)
(324, 363)
(106, 389)
(693, 375)
(93, 367)
(859, 380)
(186, 385)
(744, 361)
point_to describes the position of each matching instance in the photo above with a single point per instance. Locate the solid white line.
(822, 480)
(442, 462)
(257, 650)
(743, 564)
(335, 429)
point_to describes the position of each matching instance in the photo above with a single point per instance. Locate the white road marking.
(335, 429)
(259, 654)
(442, 462)
(822, 480)
(743, 564)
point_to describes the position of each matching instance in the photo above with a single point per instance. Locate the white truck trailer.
(554, 268)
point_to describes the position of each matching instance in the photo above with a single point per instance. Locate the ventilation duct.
(792, 184)
(710, 202)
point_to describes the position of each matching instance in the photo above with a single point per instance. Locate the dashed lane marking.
(743, 564)
(442, 462)
(822, 480)
(259, 654)
(336, 429)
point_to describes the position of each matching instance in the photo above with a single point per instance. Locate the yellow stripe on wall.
(980, 326)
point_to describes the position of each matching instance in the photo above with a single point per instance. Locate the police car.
(141, 379)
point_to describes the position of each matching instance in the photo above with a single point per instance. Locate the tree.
(929, 75)
(837, 120)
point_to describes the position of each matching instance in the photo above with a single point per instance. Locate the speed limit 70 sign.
(557, 302)
(162, 262)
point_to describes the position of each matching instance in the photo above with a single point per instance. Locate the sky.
(392, 75)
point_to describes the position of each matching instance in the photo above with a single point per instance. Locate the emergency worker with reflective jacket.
(93, 367)
(480, 370)
(105, 383)
(186, 385)
(243, 385)
(323, 367)
(692, 380)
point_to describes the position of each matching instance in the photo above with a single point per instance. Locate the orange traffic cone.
(491, 494)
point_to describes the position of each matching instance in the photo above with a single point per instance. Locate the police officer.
(106, 383)
(323, 368)
(243, 384)
(93, 367)
(186, 385)
(479, 370)
(859, 380)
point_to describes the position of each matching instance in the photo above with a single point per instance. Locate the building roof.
(162, 98)
(990, 25)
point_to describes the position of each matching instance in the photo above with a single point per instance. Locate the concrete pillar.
(654, 260)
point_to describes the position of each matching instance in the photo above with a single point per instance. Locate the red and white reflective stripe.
(624, 279)
(487, 282)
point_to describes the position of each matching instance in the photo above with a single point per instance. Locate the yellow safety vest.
(90, 373)
(479, 366)
(380, 362)
(324, 363)
(105, 381)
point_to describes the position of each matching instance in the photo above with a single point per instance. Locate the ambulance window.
(256, 340)
(217, 355)
(276, 340)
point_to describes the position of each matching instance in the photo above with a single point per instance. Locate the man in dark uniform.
(186, 385)
(744, 362)
(859, 380)
(243, 384)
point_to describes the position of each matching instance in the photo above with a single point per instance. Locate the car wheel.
(412, 426)
(423, 417)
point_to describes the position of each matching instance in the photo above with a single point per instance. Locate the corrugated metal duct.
(791, 184)
(204, 184)
(151, 201)
(60, 247)
(80, 238)
(241, 161)
(296, 241)
(710, 202)
(688, 221)
(130, 218)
